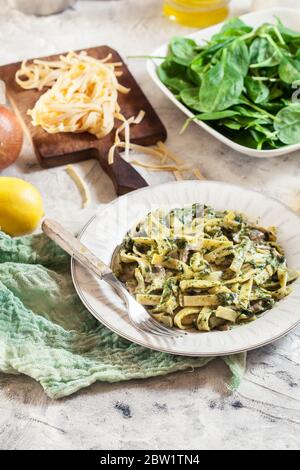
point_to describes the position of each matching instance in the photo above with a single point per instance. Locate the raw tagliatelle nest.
(83, 97)
(83, 93)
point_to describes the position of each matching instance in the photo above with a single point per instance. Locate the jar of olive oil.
(196, 13)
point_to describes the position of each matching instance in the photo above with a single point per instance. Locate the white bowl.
(288, 16)
(107, 229)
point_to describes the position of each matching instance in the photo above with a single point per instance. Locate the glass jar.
(196, 13)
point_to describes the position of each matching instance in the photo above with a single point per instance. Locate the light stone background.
(189, 410)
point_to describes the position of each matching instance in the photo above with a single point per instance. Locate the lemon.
(21, 206)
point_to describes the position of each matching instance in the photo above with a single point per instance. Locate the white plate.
(108, 228)
(289, 17)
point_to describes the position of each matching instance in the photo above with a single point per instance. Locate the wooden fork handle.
(75, 248)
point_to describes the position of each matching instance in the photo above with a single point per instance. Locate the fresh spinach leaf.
(194, 77)
(262, 54)
(238, 57)
(198, 63)
(220, 88)
(173, 75)
(289, 70)
(257, 91)
(236, 24)
(274, 107)
(258, 138)
(190, 97)
(232, 29)
(223, 84)
(288, 34)
(240, 82)
(184, 50)
(231, 124)
(288, 124)
(276, 92)
(244, 110)
(215, 116)
(213, 48)
(170, 69)
(197, 68)
(177, 85)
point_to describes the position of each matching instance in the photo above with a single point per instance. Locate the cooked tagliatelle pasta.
(83, 93)
(204, 269)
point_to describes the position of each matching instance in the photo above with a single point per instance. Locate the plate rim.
(164, 349)
(151, 65)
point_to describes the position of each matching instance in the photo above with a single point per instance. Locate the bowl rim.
(127, 336)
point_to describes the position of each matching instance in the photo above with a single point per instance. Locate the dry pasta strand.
(170, 155)
(80, 185)
(198, 174)
(178, 175)
(154, 167)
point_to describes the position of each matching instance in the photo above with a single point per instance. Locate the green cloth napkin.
(46, 332)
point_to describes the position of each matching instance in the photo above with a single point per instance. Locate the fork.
(138, 315)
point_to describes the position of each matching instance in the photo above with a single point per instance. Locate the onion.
(11, 137)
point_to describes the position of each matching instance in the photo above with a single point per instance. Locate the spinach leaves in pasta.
(198, 268)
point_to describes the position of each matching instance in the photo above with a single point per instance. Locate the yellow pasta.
(82, 95)
(186, 317)
(200, 300)
(203, 269)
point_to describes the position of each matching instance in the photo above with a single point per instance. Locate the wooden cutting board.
(63, 148)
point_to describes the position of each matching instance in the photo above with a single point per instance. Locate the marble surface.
(190, 410)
